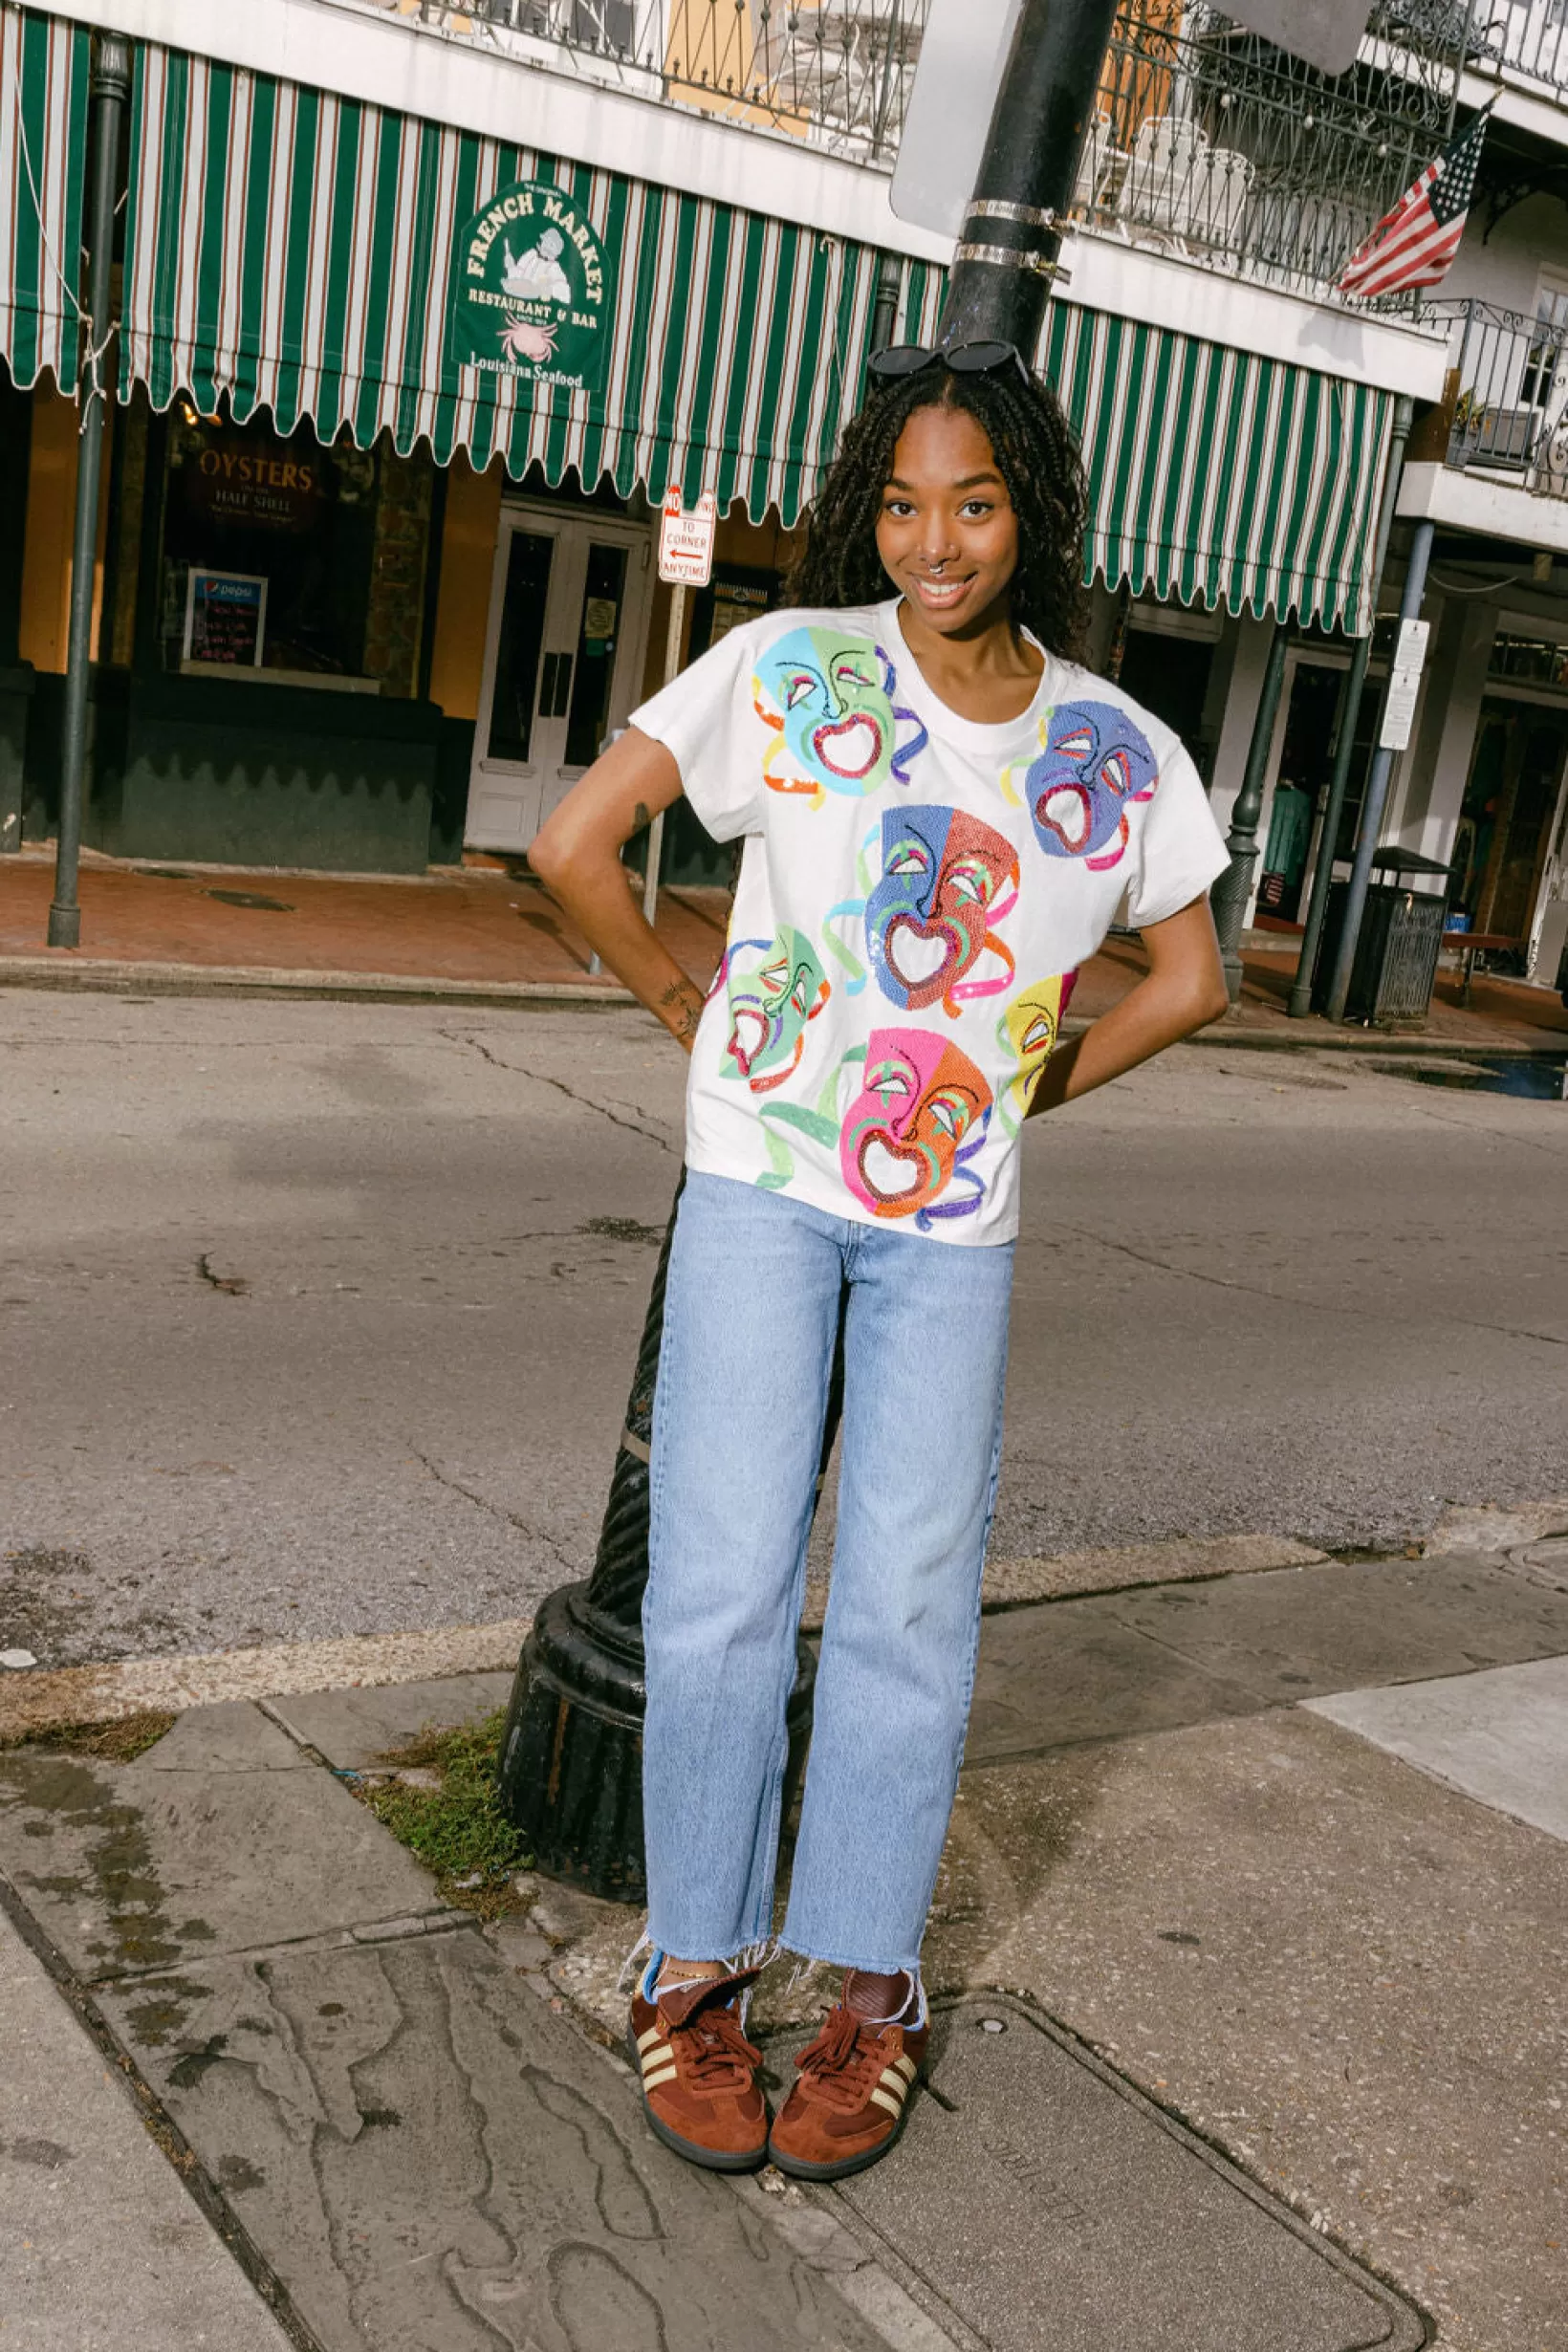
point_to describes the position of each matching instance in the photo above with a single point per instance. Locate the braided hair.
(1038, 458)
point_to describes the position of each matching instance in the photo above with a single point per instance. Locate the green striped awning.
(290, 249)
(1220, 477)
(43, 151)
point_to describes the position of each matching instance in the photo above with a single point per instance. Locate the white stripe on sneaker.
(655, 2033)
(895, 2083)
(908, 2063)
(881, 2099)
(662, 2074)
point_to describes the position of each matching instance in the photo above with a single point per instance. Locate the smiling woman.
(940, 814)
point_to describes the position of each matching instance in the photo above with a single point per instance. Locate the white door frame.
(572, 528)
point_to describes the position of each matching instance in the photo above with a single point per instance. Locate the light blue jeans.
(751, 1316)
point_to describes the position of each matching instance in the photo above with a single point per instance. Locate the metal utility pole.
(1328, 832)
(1230, 893)
(1005, 259)
(1377, 793)
(571, 1758)
(109, 88)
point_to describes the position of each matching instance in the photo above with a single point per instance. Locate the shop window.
(286, 560)
(1169, 676)
(1534, 658)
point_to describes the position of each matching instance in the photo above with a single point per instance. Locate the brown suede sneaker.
(700, 2088)
(851, 2102)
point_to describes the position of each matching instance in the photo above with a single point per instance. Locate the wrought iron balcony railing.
(1530, 36)
(1505, 405)
(1206, 141)
(834, 72)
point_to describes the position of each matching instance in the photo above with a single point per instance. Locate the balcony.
(1503, 414)
(1206, 143)
(1524, 38)
(835, 73)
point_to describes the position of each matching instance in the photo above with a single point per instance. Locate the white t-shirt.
(916, 894)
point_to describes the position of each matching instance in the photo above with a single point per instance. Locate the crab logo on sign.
(531, 290)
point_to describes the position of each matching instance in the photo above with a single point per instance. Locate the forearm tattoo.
(680, 1008)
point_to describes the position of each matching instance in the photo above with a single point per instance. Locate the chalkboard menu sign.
(225, 617)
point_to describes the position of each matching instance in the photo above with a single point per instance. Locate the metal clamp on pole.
(998, 292)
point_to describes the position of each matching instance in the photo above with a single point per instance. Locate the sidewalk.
(471, 932)
(1271, 1865)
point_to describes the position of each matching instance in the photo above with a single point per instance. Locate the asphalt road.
(318, 1319)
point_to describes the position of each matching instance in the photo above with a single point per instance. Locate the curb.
(117, 977)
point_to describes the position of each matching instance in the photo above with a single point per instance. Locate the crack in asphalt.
(542, 1077)
(1474, 1126)
(496, 1510)
(1318, 1306)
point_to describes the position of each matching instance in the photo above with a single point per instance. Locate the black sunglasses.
(964, 358)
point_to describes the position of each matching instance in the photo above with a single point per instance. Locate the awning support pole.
(110, 86)
(1232, 892)
(1376, 792)
(1328, 831)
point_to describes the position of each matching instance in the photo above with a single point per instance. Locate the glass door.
(563, 662)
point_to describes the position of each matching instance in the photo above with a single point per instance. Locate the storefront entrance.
(1505, 828)
(563, 662)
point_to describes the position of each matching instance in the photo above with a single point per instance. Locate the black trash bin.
(1400, 935)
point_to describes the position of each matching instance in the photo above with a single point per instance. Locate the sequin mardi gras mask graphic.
(918, 1121)
(832, 702)
(946, 880)
(1027, 1032)
(772, 987)
(1093, 765)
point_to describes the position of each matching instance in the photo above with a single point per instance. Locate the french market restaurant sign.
(532, 293)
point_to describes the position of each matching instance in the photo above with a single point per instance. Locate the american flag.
(1414, 244)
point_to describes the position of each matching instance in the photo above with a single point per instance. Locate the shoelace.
(718, 2057)
(831, 2067)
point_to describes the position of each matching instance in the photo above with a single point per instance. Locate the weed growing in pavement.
(120, 1742)
(457, 1829)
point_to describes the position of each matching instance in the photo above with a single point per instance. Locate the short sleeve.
(1180, 848)
(705, 719)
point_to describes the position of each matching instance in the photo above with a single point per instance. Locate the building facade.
(420, 311)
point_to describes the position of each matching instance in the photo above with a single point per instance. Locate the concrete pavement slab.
(1351, 1977)
(233, 1736)
(1123, 1664)
(353, 1728)
(1333, 1627)
(100, 2248)
(1048, 1677)
(1501, 1737)
(432, 2158)
(131, 1868)
(1057, 2211)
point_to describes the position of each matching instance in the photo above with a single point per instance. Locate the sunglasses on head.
(964, 359)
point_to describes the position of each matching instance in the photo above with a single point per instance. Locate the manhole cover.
(1054, 2210)
(250, 897)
